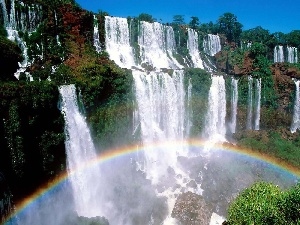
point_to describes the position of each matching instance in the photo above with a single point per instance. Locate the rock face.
(191, 209)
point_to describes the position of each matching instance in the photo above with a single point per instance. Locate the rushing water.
(80, 150)
(117, 41)
(97, 43)
(211, 44)
(215, 128)
(234, 101)
(257, 103)
(296, 116)
(278, 54)
(192, 46)
(292, 56)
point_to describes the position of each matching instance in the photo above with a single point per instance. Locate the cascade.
(97, 43)
(80, 150)
(192, 46)
(26, 21)
(234, 101)
(257, 103)
(211, 44)
(292, 56)
(117, 41)
(161, 111)
(56, 24)
(278, 54)
(171, 45)
(157, 43)
(215, 129)
(250, 103)
(296, 115)
(6, 205)
(162, 116)
(254, 103)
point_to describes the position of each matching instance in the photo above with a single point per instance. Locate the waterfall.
(56, 24)
(192, 46)
(117, 41)
(26, 21)
(296, 115)
(97, 43)
(292, 56)
(254, 103)
(161, 110)
(215, 129)
(80, 151)
(257, 103)
(234, 101)
(211, 44)
(278, 54)
(250, 103)
(6, 204)
(157, 43)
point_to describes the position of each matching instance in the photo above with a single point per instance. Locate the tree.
(257, 34)
(293, 38)
(178, 19)
(194, 23)
(280, 38)
(146, 17)
(10, 55)
(209, 28)
(229, 26)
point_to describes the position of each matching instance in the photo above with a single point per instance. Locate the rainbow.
(114, 153)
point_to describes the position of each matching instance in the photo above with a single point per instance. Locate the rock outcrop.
(191, 209)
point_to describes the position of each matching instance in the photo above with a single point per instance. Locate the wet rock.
(191, 209)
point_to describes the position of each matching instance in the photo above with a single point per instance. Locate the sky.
(273, 15)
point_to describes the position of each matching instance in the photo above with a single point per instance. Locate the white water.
(161, 110)
(211, 44)
(14, 24)
(257, 103)
(250, 103)
(97, 43)
(254, 104)
(162, 117)
(157, 43)
(292, 56)
(296, 116)
(192, 46)
(234, 101)
(80, 151)
(117, 41)
(278, 54)
(215, 128)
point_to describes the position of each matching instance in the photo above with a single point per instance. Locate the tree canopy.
(229, 25)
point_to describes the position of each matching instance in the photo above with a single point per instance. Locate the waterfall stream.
(80, 150)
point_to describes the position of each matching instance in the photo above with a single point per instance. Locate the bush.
(257, 205)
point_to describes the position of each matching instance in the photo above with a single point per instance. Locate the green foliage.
(229, 25)
(273, 144)
(146, 17)
(257, 205)
(209, 28)
(194, 23)
(201, 81)
(3, 31)
(293, 38)
(178, 19)
(290, 205)
(264, 203)
(257, 34)
(10, 55)
(257, 49)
